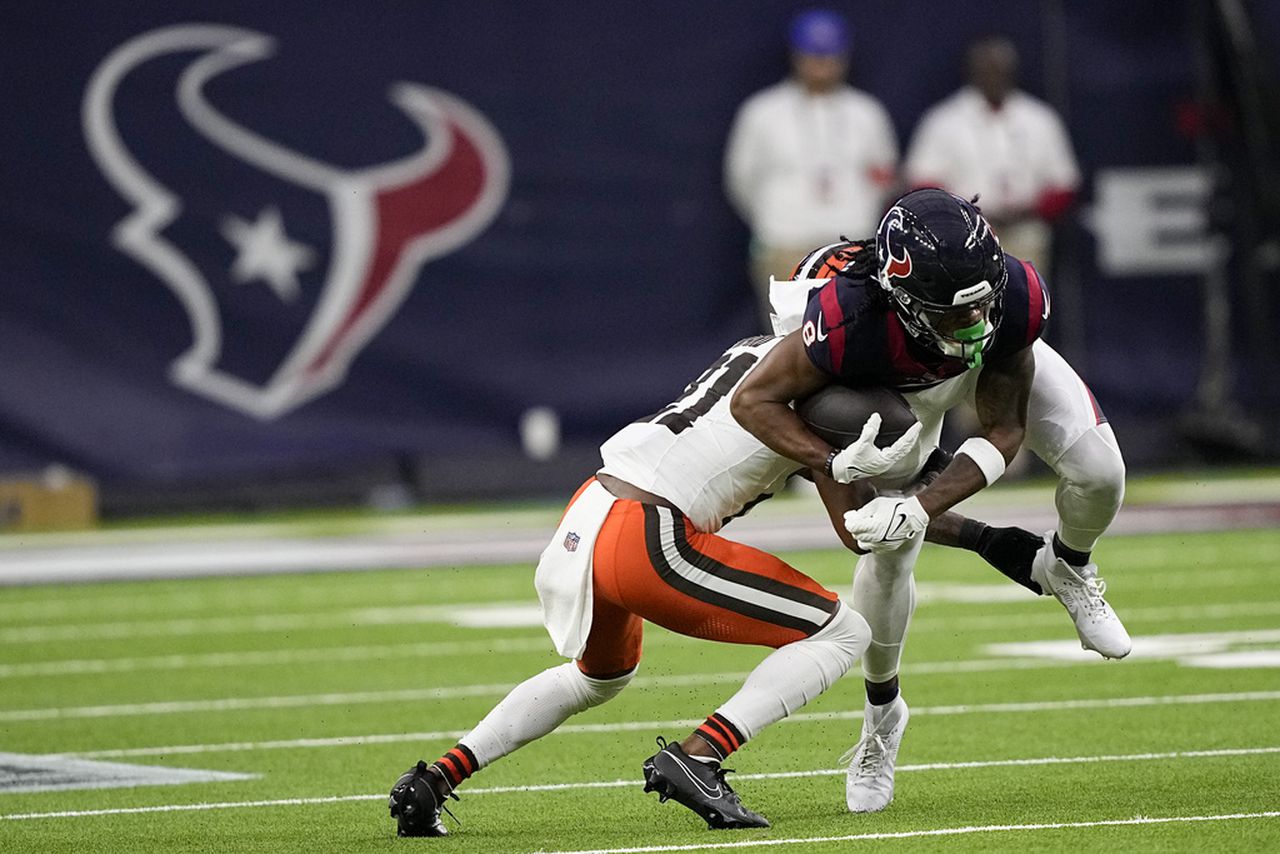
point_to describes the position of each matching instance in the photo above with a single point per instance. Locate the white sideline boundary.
(632, 726)
(611, 784)
(802, 524)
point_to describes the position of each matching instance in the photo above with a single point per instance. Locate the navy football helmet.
(939, 260)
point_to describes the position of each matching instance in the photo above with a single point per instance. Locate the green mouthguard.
(969, 335)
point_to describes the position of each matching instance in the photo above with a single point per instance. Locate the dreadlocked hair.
(863, 262)
(863, 265)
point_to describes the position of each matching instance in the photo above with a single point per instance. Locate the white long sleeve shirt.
(1010, 156)
(801, 168)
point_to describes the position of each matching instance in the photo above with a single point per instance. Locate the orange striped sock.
(718, 732)
(457, 764)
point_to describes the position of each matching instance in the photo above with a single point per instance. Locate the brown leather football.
(837, 413)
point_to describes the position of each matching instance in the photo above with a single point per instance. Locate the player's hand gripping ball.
(872, 428)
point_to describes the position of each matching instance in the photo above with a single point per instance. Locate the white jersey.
(1009, 156)
(694, 454)
(800, 167)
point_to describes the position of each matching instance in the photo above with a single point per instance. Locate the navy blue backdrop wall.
(244, 241)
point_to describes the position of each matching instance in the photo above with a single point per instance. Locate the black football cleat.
(700, 786)
(415, 803)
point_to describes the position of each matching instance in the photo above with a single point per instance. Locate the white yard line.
(337, 654)
(72, 607)
(352, 698)
(941, 831)
(271, 657)
(1048, 615)
(295, 701)
(77, 603)
(243, 624)
(221, 805)
(1056, 616)
(661, 726)
(931, 766)
(611, 784)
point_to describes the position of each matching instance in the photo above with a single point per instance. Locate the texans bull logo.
(894, 267)
(383, 222)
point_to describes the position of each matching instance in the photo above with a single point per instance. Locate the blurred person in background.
(993, 140)
(808, 152)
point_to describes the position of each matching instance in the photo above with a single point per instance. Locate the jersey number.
(676, 419)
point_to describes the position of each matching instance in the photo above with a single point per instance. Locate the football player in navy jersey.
(934, 308)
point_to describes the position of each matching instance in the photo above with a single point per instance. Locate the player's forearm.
(762, 404)
(965, 477)
(840, 498)
(960, 480)
(945, 530)
(776, 425)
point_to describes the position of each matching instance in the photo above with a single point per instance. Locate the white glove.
(884, 524)
(863, 459)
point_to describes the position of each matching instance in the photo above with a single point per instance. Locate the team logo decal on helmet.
(944, 269)
(894, 267)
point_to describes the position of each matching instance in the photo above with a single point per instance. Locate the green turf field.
(326, 687)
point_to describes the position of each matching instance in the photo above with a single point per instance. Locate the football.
(837, 413)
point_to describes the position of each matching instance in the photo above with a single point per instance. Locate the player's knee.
(846, 632)
(1106, 487)
(1111, 473)
(1096, 470)
(595, 690)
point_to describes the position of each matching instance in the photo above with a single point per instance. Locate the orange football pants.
(650, 563)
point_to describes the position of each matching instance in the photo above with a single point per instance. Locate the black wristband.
(971, 531)
(831, 458)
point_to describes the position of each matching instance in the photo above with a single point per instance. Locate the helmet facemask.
(923, 319)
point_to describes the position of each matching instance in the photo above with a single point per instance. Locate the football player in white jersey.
(638, 542)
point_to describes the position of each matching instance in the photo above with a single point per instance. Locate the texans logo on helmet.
(895, 267)
(331, 286)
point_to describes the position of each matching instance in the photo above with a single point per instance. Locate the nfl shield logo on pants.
(571, 542)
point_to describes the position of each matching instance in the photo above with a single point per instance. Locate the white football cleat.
(868, 783)
(1080, 590)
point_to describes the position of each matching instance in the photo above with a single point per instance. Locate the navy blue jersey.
(851, 332)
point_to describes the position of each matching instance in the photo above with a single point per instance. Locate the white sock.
(794, 674)
(537, 706)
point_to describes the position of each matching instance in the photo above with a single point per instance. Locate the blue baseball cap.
(822, 32)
